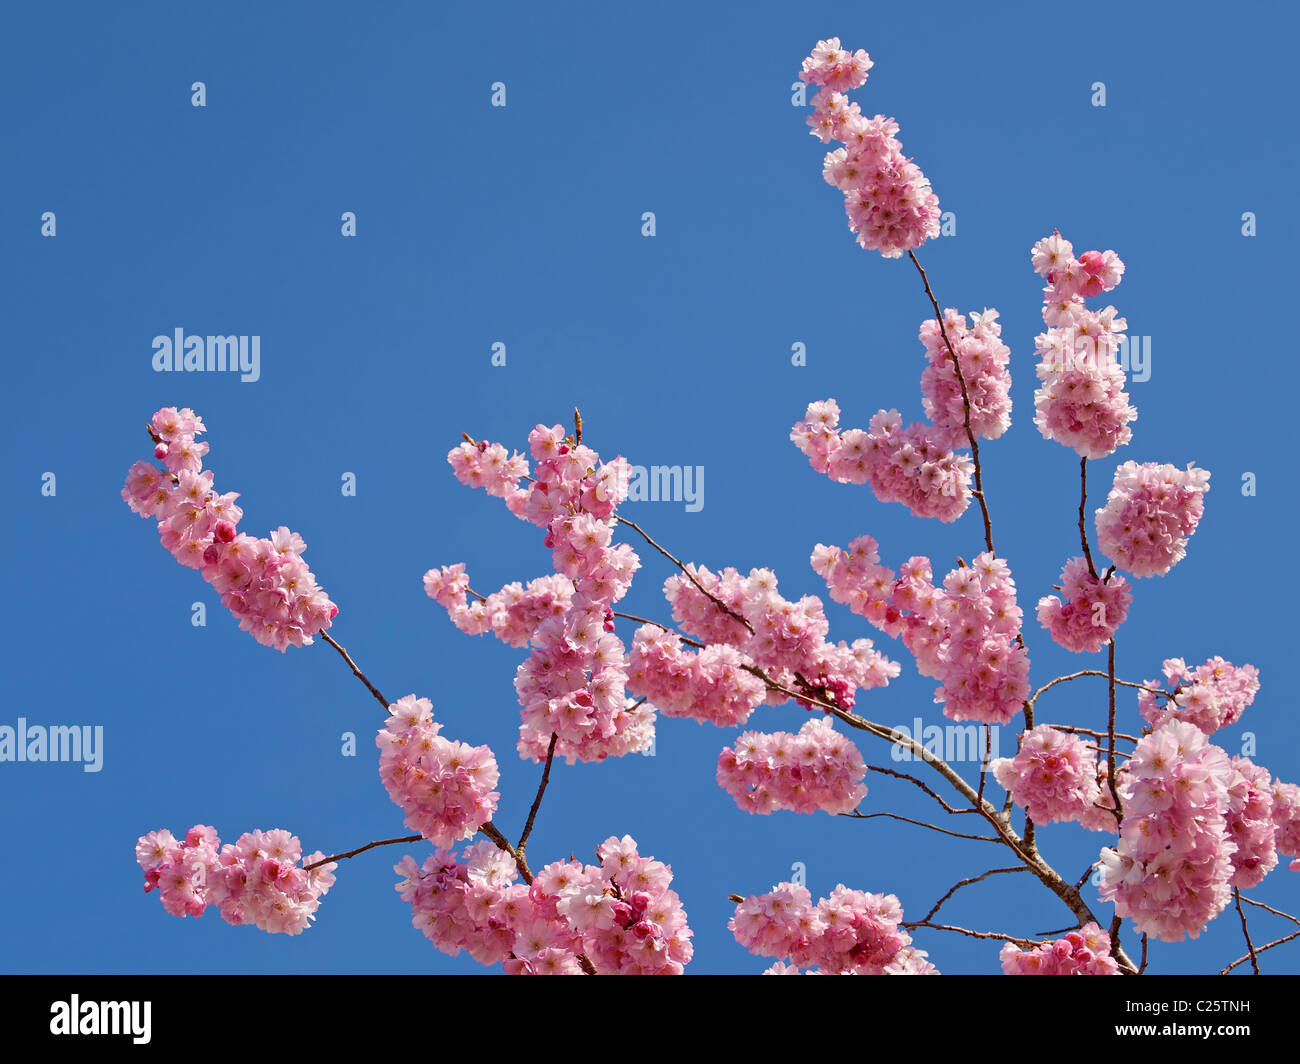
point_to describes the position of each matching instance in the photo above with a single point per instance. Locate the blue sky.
(522, 225)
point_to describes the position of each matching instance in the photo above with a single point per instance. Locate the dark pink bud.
(645, 929)
(224, 531)
(160, 451)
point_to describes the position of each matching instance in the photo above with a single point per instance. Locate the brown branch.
(1083, 501)
(957, 886)
(362, 849)
(667, 628)
(1093, 734)
(1260, 949)
(922, 824)
(913, 779)
(1143, 966)
(1275, 912)
(1250, 946)
(541, 789)
(690, 575)
(1110, 730)
(355, 671)
(965, 402)
(1026, 943)
(1097, 672)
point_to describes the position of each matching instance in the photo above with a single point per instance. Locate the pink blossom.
(1094, 607)
(1149, 515)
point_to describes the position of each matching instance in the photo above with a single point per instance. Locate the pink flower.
(1082, 952)
(1092, 610)
(1151, 512)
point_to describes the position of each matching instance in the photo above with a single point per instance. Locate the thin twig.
(703, 590)
(1275, 912)
(361, 849)
(1260, 949)
(922, 824)
(1097, 672)
(1083, 500)
(965, 402)
(666, 627)
(1026, 943)
(964, 883)
(541, 789)
(1250, 946)
(919, 783)
(355, 671)
(1110, 730)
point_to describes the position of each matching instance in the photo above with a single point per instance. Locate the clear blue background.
(522, 225)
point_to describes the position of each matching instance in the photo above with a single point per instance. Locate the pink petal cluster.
(711, 685)
(621, 913)
(1286, 821)
(1082, 952)
(1151, 511)
(512, 614)
(1211, 696)
(963, 633)
(1080, 401)
(836, 67)
(1054, 777)
(1250, 823)
(902, 465)
(983, 358)
(263, 582)
(817, 769)
(444, 787)
(785, 639)
(1094, 607)
(255, 881)
(889, 201)
(573, 683)
(850, 932)
(1172, 869)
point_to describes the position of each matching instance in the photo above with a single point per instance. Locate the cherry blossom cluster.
(512, 614)
(1081, 401)
(785, 639)
(1250, 823)
(983, 358)
(906, 465)
(573, 683)
(817, 769)
(1093, 608)
(263, 582)
(1082, 952)
(1149, 515)
(963, 634)
(1286, 821)
(1211, 696)
(713, 685)
(1172, 869)
(257, 880)
(444, 787)
(620, 914)
(850, 932)
(890, 204)
(1054, 777)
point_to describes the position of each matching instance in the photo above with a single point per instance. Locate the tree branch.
(965, 402)
(362, 849)
(355, 671)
